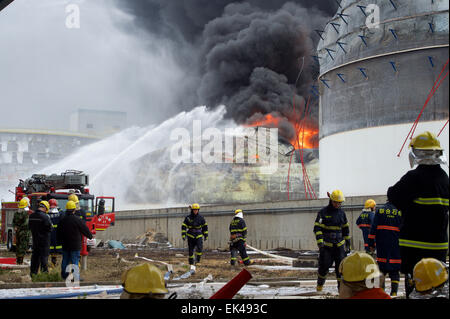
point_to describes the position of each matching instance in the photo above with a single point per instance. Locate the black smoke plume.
(253, 56)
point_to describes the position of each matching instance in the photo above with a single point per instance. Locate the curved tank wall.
(373, 83)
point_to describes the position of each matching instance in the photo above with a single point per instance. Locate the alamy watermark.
(73, 279)
(214, 146)
(373, 279)
(372, 16)
(73, 16)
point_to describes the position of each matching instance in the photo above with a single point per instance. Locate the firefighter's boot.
(320, 282)
(19, 260)
(247, 262)
(394, 289)
(409, 285)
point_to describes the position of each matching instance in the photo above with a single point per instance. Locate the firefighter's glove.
(347, 246)
(320, 245)
(184, 238)
(206, 238)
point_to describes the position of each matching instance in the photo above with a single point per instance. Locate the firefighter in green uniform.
(20, 224)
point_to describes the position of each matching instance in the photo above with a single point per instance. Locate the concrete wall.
(287, 224)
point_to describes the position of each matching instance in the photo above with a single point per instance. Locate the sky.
(48, 71)
(154, 58)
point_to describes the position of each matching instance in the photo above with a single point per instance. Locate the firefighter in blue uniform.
(55, 216)
(238, 237)
(195, 228)
(384, 235)
(422, 195)
(365, 219)
(333, 237)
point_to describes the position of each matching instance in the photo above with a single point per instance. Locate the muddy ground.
(107, 265)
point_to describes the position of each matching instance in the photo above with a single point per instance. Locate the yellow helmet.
(426, 141)
(237, 211)
(71, 205)
(370, 203)
(358, 266)
(45, 204)
(337, 196)
(429, 273)
(23, 203)
(195, 206)
(144, 279)
(73, 198)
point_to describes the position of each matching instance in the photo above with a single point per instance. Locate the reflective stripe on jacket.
(422, 195)
(238, 228)
(194, 226)
(364, 222)
(331, 226)
(384, 235)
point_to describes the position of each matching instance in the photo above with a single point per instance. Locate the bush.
(47, 277)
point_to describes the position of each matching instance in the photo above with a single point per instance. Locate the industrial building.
(25, 152)
(97, 122)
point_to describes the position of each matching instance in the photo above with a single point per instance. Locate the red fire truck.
(100, 211)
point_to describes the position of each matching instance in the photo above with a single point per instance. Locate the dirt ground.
(107, 265)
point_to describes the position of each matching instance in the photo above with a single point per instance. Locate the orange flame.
(267, 121)
(306, 139)
(307, 136)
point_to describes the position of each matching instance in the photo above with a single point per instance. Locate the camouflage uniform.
(20, 223)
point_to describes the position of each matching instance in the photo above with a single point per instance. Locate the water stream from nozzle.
(114, 163)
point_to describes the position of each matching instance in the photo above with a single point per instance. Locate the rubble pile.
(150, 239)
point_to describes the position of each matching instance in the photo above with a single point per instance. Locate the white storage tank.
(374, 80)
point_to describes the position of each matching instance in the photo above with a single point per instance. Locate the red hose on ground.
(233, 286)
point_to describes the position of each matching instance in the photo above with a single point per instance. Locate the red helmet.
(53, 203)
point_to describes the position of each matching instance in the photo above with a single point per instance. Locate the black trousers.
(39, 258)
(195, 244)
(239, 247)
(328, 255)
(411, 256)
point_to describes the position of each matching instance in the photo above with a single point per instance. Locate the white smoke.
(113, 163)
(48, 71)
